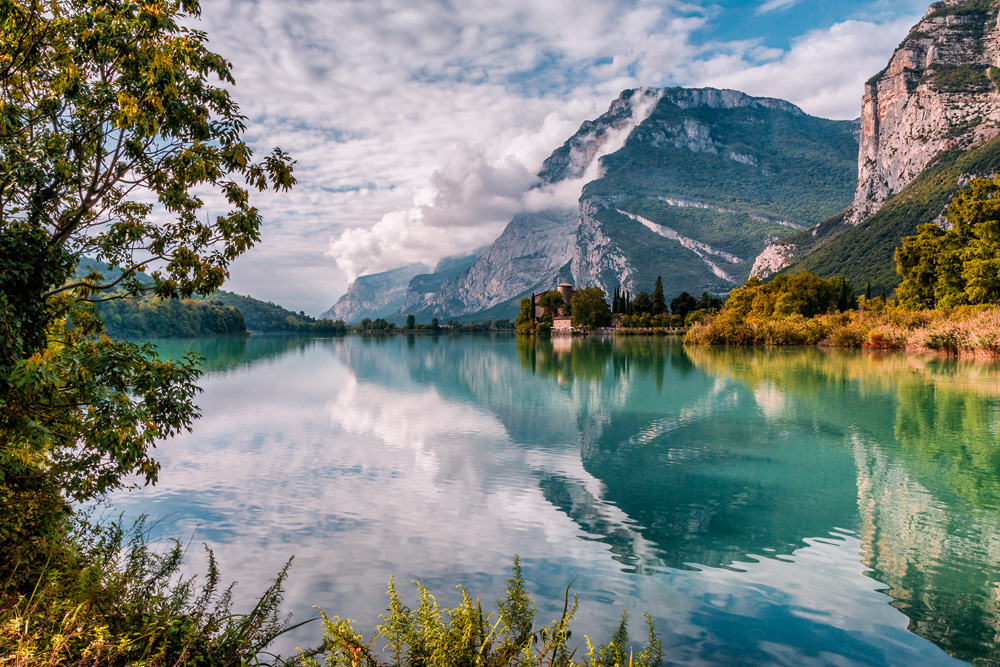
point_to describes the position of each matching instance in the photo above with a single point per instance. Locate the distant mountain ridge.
(690, 184)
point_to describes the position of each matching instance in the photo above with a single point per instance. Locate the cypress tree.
(659, 303)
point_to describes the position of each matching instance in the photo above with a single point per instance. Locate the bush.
(464, 636)
(107, 596)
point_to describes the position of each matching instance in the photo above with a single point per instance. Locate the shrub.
(464, 636)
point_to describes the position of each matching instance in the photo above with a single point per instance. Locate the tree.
(658, 304)
(411, 322)
(709, 302)
(641, 304)
(590, 310)
(683, 304)
(553, 303)
(959, 265)
(525, 322)
(116, 122)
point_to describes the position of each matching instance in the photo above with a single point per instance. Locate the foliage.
(267, 317)
(109, 123)
(464, 636)
(966, 330)
(974, 8)
(866, 252)
(378, 325)
(525, 322)
(960, 265)
(641, 304)
(552, 303)
(590, 310)
(411, 322)
(658, 303)
(152, 316)
(650, 321)
(782, 312)
(108, 597)
(962, 79)
(683, 304)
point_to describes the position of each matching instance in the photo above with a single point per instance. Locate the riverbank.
(964, 331)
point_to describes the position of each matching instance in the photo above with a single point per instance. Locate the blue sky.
(418, 125)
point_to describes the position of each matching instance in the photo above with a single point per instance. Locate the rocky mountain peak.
(713, 98)
(939, 92)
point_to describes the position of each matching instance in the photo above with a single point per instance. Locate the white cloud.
(417, 127)
(776, 5)
(824, 72)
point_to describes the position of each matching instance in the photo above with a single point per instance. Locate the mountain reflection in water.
(765, 506)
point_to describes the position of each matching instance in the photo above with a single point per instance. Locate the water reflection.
(759, 503)
(926, 444)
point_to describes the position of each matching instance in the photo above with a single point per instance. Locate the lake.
(765, 507)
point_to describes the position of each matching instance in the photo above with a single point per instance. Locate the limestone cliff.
(376, 295)
(939, 92)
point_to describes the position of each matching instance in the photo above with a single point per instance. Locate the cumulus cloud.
(823, 72)
(418, 127)
(471, 198)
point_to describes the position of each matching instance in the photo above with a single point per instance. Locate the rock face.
(535, 250)
(774, 258)
(704, 185)
(377, 295)
(531, 252)
(938, 93)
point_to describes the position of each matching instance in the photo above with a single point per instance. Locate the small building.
(562, 324)
(566, 290)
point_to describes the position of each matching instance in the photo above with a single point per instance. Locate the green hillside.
(798, 167)
(222, 313)
(720, 176)
(865, 252)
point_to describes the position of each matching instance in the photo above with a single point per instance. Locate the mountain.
(930, 122)
(376, 295)
(688, 184)
(535, 250)
(703, 185)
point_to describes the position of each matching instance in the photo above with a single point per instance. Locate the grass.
(465, 636)
(964, 331)
(108, 597)
(104, 596)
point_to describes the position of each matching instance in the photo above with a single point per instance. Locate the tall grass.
(965, 330)
(107, 596)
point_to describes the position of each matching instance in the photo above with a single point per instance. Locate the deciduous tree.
(116, 127)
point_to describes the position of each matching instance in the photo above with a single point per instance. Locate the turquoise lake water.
(766, 507)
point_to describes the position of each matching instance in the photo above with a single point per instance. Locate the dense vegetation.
(781, 312)
(465, 637)
(267, 317)
(113, 115)
(866, 253)
(954, 269)
(959, 265)
(150, 317)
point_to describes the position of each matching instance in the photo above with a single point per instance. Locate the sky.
(418, 125)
